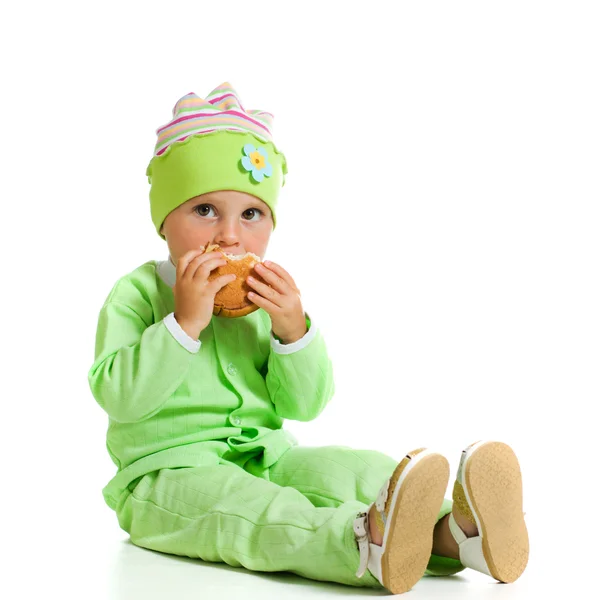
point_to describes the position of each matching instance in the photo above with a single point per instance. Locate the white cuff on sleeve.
(280, 348)
(180, 335)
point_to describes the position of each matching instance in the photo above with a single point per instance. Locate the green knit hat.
(214, 144)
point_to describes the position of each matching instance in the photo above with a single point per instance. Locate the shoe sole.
(491, 478)
(409, 539)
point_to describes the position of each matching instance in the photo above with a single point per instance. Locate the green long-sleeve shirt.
(168, 396)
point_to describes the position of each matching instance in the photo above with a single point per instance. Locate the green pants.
(297, 515)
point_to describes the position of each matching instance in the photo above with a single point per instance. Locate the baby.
(196, 402)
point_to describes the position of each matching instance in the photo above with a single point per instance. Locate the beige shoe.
(488, 491)
(407, 509)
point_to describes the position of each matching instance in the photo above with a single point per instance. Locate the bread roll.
(232, 300)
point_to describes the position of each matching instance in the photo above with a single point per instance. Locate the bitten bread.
(232, 300)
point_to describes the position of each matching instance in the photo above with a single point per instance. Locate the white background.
(440, 217)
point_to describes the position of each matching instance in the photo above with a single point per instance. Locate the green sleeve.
(137, 365)
(301, 383)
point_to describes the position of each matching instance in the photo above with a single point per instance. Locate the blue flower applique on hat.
(257, 162)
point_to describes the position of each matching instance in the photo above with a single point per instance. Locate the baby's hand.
(281, 301)
(194, 294)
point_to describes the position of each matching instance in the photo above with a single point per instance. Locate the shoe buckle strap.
(457, 533)
(361, 528)
(361, 532)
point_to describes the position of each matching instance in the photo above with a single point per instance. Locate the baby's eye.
(200, 209)
(251, 212)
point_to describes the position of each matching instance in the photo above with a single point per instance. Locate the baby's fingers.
(220, 282)
(185, 260)
(202, 266)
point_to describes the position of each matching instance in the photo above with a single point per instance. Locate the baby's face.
(237, 221)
